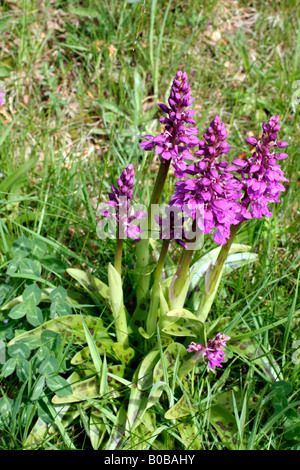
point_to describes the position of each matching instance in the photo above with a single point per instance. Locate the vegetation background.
(82, 81)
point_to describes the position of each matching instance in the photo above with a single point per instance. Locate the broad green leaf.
(81, 391)
(182, 408)
(153, 313)
(32, 294)
(292, 432)
(181, 327)
(21, 247)
(224, 423)
(23, 369)
(38, 388)
(282, 387)
(178, 301)
(45, 297)
(90, 388)
(182, 313)
(169, 357)
(34, 315)
(58, 424)
(144, 333)
(96, 288)
(37, 434)
(30, 266)
(6, 407)
(124, 354)
(118, 430)
(186, 367)
(137, 321)
(13, 266)
(155, 393)
(9, 367)
(5, 291)
(225, 400)
(104, 344)
(145, 375)
(97, 428)
(59, 293)
(5, 71)
(60, 309)
(53, 264)
(249, 349)
(142, 433)
(17, 176)
(19, 350)
(69, 326)
(137, 405)
(18, 311)
(163, 303)
(59, 385)
(279, 403)
(190, 435)
(117, 305)
(49, 366)
(93, 348)
(39, 248)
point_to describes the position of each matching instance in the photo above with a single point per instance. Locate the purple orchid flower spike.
(213, 350)
(119, 200)
(177, 138)
(2, 97)
(261, 175)
(213, 188)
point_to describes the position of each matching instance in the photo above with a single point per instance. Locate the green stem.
(161, 260)
(216, 276)
(184, 264)
(142, 249)
(118, 255)
(160, 182)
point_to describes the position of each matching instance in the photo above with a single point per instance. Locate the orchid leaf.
(181, 327)
(225, 424)
(37, 434)
(190, 435)
(249, 349)
(104, 345)
(90, 388)
(136, 406)
(69, 326)
(118, 430)
(169, 358)
(123, 353)
(96, 288)
(97, 428)
(145, 375)
(182, 313)
(117, 305)
(185, 324)
(182, 408)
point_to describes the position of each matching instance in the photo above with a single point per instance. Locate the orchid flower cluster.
(2, 97)
(225, 193)
(119, 200)
(213, 350)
